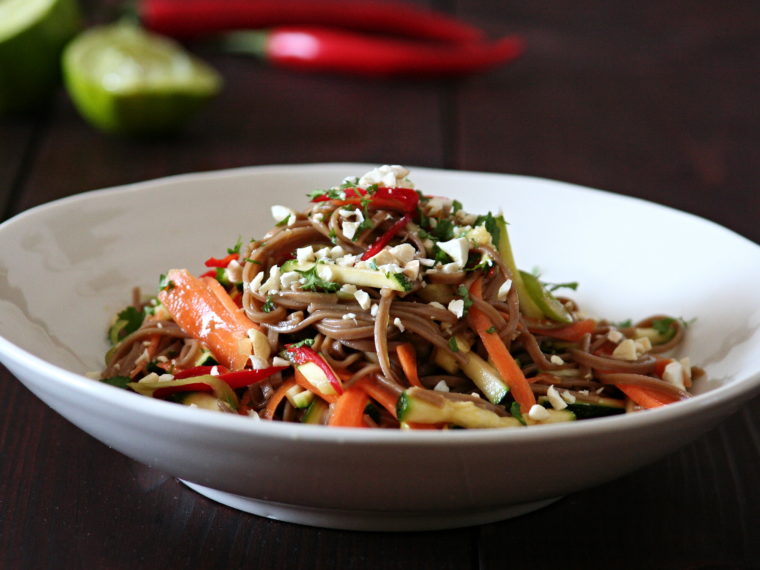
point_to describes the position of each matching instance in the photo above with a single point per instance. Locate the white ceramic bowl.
(67, 266)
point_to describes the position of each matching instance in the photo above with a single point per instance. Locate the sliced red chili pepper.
(199, 371)
(242, 378)
(236, 379)
(304, 354)
(403, 199)
(387, 236)
(193, 18)
(223, 262)
(338, 51)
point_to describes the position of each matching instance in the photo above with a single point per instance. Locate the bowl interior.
(68, 266)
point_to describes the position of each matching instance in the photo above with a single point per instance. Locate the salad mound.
(381, 306)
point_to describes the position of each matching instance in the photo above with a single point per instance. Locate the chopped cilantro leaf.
(331, 194)
(456, 205)
(164, 283)
(465, 294)
(663, 326)
(441, 256)
(453, 344)
(423, 199)
(551, 287)
(236, 247)
(624, 324)
(491, 329)
(514, 409)
(311, 281)
(666, 328)
(268, 305)
(117, 381)
(444, 230)
(133, 317)
(491, 224)
(364, 225)
(304, 342)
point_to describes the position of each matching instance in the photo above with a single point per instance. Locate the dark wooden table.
(658, 100)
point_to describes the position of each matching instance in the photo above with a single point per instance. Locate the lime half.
(32, 36)
(126, 80)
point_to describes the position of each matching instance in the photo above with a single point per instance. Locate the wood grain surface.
(657, 100)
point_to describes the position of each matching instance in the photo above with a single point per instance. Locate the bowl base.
(383, 521)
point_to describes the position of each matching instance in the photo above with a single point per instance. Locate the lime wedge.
(32, 36)
(125, 80)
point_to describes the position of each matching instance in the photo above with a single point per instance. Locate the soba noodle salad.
(383, 306)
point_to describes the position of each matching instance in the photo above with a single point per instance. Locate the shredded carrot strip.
(151, 349)
(234, 312)
(647, 398)
(276, 398)
(408, 359)
(202, 311)
(383, 396)
(497, 350)
(349, 408)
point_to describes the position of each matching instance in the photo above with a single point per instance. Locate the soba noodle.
(371, 272)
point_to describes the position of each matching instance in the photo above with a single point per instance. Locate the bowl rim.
(722, 396)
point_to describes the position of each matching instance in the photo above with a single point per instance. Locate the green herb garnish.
(268, 305)
(311, 281)
(117, 381)
(465, 294)
(514, 409)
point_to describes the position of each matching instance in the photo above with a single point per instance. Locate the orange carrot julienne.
(383, 396)
(349, 408)
(499, 353)
(235, 312)
(276, 398)
(151, 348)
(408, 359)
(202, 313)
(647, 398)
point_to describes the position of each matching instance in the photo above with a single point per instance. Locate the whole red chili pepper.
(195, 18)
(332, 50)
